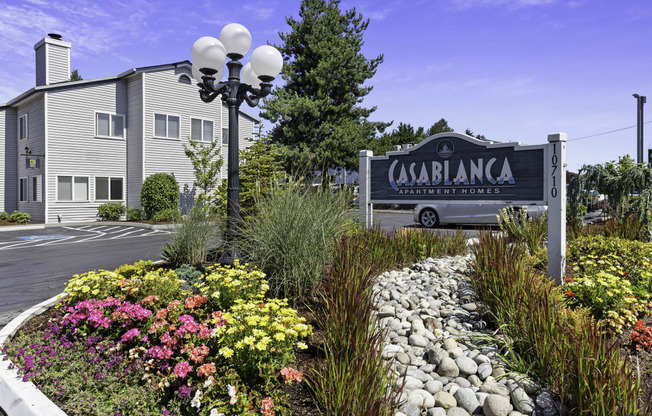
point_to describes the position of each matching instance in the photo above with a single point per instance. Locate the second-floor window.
(166, 126)
(201, 130)
(22, 127)
(109, 125)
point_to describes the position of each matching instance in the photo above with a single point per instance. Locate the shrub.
(20, 217)
(190, 275)
(134, 214)
(190, 242)
(291, 238)
(159, 192)
(167, 215)
(111, 211)
(522, 229)
(4, 216)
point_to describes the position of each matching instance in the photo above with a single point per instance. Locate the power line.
(606, 132)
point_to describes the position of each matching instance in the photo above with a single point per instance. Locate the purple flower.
(131, 334)
(184, 392)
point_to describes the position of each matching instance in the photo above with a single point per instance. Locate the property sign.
(32, 163)
(454, 167)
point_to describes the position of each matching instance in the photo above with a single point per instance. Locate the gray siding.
(246, 128)
(135, 142)
(58, 63)
(165, 95)
(35, 110)
(40, 65)
(73, 149)
(9, 150)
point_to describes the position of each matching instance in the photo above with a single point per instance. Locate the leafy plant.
(642, 336)
(160, 191)
(522, 229)
(190, 242)
(190, 275)
(111, 211)
(206, 163)
(167, 215)
(4, 216)
(20, 217)
(134, 214)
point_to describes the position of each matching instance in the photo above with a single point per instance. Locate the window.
(37, 188)
(185, 79)
(22, 190)
(225, 137)
(166, 126)
(108, 188)
(72, 188)
(22, 127)
(201, 130)
(109, 125)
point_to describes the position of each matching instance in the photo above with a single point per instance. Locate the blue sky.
(513, 70)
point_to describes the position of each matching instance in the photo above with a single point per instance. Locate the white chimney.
(52, 60)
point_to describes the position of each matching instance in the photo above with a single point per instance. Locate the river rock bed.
(436, 340)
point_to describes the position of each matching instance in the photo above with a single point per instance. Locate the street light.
(208, 56)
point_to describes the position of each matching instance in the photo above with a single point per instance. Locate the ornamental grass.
(565, 349)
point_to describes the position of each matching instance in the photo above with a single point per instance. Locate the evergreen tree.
(319, 122)
(74, 76)
(440, 126)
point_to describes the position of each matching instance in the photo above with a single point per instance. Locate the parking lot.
(36, 264)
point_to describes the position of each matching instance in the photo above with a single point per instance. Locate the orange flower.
(569, 293)
(199, 353)
(206, 370)
(195, 301)
(569, 279)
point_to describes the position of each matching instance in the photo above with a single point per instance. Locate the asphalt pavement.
(36, 264)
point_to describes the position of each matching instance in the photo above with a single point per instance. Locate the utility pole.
(640, 100)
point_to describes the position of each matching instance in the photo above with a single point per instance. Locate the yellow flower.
(279, 336)
(226, 352)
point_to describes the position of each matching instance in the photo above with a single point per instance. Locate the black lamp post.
(249, 83)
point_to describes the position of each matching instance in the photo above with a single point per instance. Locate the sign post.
(556, 168)
(366, 208)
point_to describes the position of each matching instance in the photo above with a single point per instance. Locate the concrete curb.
(19, 398)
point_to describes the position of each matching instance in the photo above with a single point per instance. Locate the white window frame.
(203, 120)
(111, 116)
(167, 126)
(23, 196)
(26, 130)
(73, 200)
(109, 178)
(225, 137)
(36, 187)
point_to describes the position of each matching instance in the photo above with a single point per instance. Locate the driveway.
(36, 264)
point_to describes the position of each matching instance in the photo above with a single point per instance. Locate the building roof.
(74, 84)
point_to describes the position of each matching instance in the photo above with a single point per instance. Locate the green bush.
(190, 242)
(20, 217)
(160, 192)
(111, 211)
(167, 215)
(291, 239)
(191, 275)
(4, 216)
(134, 214)
(522, 229)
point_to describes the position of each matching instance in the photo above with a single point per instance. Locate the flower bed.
(133, 341)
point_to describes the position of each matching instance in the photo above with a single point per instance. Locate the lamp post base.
(231, 254)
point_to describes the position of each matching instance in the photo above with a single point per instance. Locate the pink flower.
(291, 375)
(267, 408)
(233, 393)
(131, 334)
(199, 353)
(204, 331)
(182, 368)
(162, 353)
(206, 369)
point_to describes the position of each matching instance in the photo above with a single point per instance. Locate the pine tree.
(319, 122)
(74, 76)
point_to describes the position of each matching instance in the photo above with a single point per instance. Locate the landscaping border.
(19, 398)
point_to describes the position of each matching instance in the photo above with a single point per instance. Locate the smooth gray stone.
(386, 311)
(449, 344)
(484, 371)
(466, 365)
(435, 355)
(427, 368)
(462, 382)
(419, 375)
(445, 400)
(403, 358)
(492, 387)
(520, 399)
(436, 411)
(457, 411)
(470, 307)
(418, 340)
(481, 359)
(433, 386)
(544, 400)
(410, 409)
(390, 351)
(467, 400)
(496, 405)
(421, 398)
(412, 383)
(448, 368)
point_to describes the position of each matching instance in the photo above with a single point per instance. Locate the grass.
(565, 348)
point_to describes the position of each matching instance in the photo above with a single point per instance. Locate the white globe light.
(197, 74)
(248, 76)
(267, 61)
(208, 52)
(236, 39)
